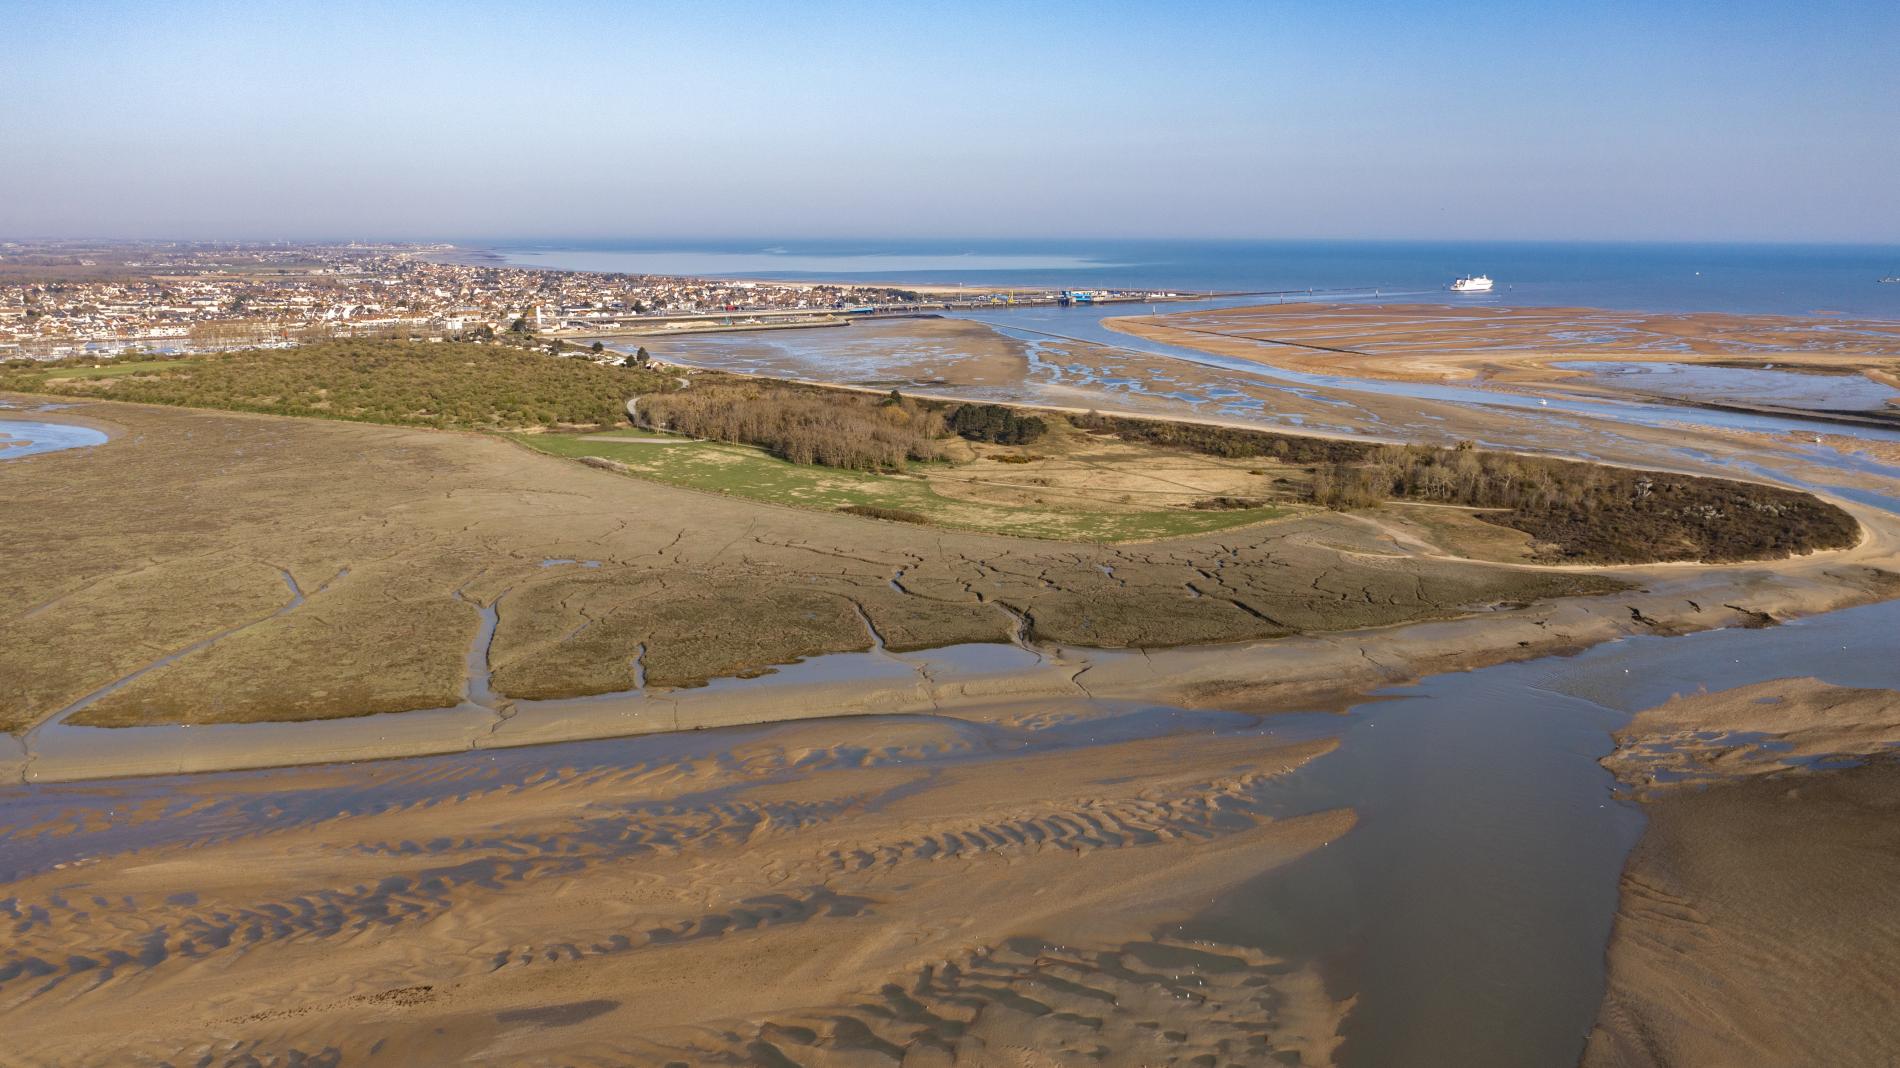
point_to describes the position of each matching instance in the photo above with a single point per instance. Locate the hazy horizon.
(910, 243)
(484, 123)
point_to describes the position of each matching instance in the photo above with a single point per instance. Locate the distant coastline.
(1780, 279)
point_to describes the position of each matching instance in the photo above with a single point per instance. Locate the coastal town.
(63, 300)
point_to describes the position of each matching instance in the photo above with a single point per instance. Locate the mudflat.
(1760, 913)
(892, 352)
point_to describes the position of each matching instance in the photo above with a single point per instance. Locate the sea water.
(1777, 279)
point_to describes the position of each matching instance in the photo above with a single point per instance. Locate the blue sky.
(1720, 121)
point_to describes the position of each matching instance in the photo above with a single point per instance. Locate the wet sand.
(1769, 729)
(1167, 885)
(1760, 914)
(1431, 342)
(778, 897)
(884, 353)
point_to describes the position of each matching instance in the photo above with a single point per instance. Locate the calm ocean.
(1785, 279)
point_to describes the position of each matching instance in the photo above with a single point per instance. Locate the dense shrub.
(1593, 513)
(895, 515)
(805, 426)
(1231, 442)
(442, 384)
(996, 424)
(1578, 511)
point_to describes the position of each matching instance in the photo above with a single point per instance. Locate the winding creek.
(1467, 911)
(1240, 394)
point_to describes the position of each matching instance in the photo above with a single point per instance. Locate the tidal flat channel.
(1073, 359)
(1740, 385)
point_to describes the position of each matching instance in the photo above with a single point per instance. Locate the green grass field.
(741, 471)
(115, 370)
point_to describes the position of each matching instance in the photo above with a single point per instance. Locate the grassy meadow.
(929, 491)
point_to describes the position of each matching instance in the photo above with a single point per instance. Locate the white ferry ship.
(1472, 283)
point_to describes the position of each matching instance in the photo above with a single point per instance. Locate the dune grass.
(751, 473)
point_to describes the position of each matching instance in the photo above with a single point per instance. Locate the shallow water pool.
(1741, 385)
(30, 437)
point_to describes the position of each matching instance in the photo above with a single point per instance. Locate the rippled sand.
(927, 890)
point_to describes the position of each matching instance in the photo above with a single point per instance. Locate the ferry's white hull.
(1483, 286)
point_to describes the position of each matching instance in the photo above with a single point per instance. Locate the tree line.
(803, 425)
(1578, 511)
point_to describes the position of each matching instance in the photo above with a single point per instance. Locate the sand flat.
(690, 909)
(1760, 913)
(1433, 342)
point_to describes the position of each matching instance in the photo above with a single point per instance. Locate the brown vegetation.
(895, 515)
(803, 425)
(1231, 442)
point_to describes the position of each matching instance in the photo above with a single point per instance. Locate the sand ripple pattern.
(1031, 1002)
(130, 934)
(875, 890)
